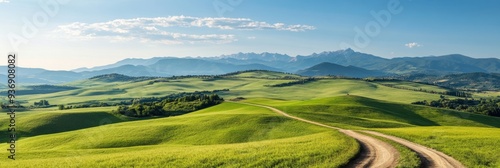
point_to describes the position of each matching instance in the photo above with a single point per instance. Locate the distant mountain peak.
(349, 50)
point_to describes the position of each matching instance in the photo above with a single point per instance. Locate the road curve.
(375, 153)
(380, 154)
(430, 157)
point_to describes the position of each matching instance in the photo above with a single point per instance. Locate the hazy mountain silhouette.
(169, 66)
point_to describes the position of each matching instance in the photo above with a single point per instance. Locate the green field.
(210, 137)
(236, 135)
(487, 94)
(54, 121)
(473, 146)
(360, 113)
(413, 85)
(239, 87)
(469, 138)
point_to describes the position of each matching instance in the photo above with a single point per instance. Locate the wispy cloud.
(157, 29)
(4, 1)
(413, 45)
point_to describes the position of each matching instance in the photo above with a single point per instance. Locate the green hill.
(236, 135)
(51, 121)
(360, 112)
(239, 87)
(470, 138)
(229, 134)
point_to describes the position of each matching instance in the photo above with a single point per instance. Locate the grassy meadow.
(357, 112)
(473, 146)
(236, 135)
(229, 134)
(92, 90)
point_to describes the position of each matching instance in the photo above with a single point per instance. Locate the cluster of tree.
(127, 102)
(291, 83)
(85, 105)
(170, 97)
(41, 103)
(158, 81)
(489, 107)
(169, 106)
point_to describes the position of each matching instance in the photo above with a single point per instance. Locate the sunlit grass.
(473, 146)
(360, 113)
(239, 87)
(229, 134)
(328, 149)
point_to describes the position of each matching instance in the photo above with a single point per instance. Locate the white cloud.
(412, 45)
(4, 1)
(156, 29)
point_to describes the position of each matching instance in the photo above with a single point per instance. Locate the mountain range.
(342, 62)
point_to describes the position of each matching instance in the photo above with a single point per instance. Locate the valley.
(250, 84)
(248, 132)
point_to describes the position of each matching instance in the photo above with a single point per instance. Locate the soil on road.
(376, 153)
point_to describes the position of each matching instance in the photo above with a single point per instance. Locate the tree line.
(291, 83)
(170, 106)
(490, 107)
(127, 102)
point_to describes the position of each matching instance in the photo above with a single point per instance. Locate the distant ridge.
(326, 68)
(173, 66)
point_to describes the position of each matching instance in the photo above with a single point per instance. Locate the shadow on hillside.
(49, 123)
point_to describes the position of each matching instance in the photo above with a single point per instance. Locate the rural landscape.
(240, 83)
(254, 118)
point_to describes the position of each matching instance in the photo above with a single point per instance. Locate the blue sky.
(75, 33)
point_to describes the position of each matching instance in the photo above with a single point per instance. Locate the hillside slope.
(361, 112)
(326, 68)
(225, 135)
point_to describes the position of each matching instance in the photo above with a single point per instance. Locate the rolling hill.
(235, 135)
(326, 68)
(470, 138)
(225, 135)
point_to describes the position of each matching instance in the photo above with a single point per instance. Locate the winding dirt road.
(376, 153)
(429, 157)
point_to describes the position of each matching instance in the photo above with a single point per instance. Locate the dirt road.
(429, 157)
(376, 153)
